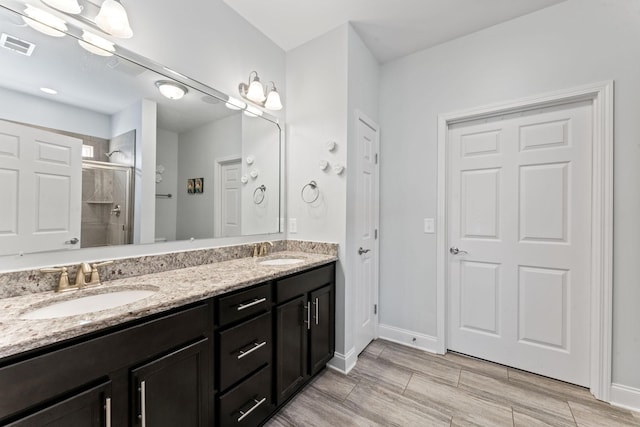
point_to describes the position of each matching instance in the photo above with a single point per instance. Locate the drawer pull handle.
(143, 404)
(248, 352)
(107, 412)
(253, 408)
(251, 304)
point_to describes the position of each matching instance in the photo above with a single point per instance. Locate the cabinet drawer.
(242, 305)
(249, 403)
(302, 283)
(244, 348)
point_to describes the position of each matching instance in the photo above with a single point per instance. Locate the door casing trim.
(601, 272)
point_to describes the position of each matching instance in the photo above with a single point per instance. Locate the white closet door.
(40, 185)
(520, 208)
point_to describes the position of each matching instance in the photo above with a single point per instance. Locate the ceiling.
(390, 28)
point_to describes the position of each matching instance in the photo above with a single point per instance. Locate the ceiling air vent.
(17, 45)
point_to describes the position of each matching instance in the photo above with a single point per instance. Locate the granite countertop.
(174, 289)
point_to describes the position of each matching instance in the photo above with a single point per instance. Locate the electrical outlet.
(293, 225)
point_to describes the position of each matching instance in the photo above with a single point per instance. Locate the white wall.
(196, 158)
(36, 110)
(166, 208)
(260, 140)
(141, 117)
(317, 113)
(574, 43)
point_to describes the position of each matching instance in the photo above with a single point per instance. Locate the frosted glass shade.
(256, 91)
(113, 20)
(273, 101)
(44, 22)
(67, 6)
(96, 44)
(170, 89)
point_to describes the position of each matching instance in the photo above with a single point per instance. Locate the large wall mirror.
(92, 153)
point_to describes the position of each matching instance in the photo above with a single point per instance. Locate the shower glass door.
(107, 208)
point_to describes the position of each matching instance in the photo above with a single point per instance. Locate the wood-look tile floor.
(393, 385)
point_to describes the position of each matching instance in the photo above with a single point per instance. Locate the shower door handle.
(117, 211)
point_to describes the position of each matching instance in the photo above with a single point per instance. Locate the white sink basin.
(87, 304)
(281, 261)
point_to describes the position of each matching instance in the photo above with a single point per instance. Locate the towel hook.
(258, 194)
(315, 193)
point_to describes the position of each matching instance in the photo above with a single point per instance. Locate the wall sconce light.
(255, 92)
(44, 22)
(171, 90)
(113, 19)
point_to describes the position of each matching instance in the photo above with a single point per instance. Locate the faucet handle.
(63, 282)
(95, 276)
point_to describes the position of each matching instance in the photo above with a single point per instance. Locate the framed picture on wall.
(199, 185)
(191, 183)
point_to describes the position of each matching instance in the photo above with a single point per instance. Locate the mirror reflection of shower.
(107, 191)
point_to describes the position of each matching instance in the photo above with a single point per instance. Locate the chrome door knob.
(455, 251)
(363, 251)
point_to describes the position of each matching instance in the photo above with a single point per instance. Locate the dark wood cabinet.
(305, 328)
(88, 408)
(172, 390)
(291, 359)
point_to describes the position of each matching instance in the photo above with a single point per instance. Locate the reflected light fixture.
(113, 19)
(49, 91)
(96, 44)
(235, 104)
(171, 90)
(66, 6)
(255, 92)
(252, 111)
(44, 22)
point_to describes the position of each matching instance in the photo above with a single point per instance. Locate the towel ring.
(315, 193)
(258, 194)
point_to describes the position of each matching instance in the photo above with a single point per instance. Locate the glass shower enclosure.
(107, 192)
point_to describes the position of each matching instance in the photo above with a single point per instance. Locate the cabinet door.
(172, 390)
(321, 341)
(291, 345)
(90, 408)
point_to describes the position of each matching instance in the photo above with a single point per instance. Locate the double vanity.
(225, 343)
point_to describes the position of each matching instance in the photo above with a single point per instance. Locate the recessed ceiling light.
(49, 90)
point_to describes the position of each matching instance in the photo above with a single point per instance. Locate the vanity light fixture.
(113, 19)
(44, 22)
(96, 44)
(66, 6)
(171, 90)
(255, 92)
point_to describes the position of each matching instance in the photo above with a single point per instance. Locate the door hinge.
(375, 233)
(375, 308)
(376, 158)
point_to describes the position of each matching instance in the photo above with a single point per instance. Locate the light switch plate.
(429, 225)
(293, 225)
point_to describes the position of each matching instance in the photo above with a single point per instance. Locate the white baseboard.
(343, 363)
(408, 338)
(625, 397)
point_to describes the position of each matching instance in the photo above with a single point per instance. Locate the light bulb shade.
(171, 89)
(66, 6)
(273, 101)
(255, 92)
(113, 20)
(44, 22)
(96, 44)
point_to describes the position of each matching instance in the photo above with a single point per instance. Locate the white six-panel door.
(231, 198)
(519, 206)
(40, 189)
